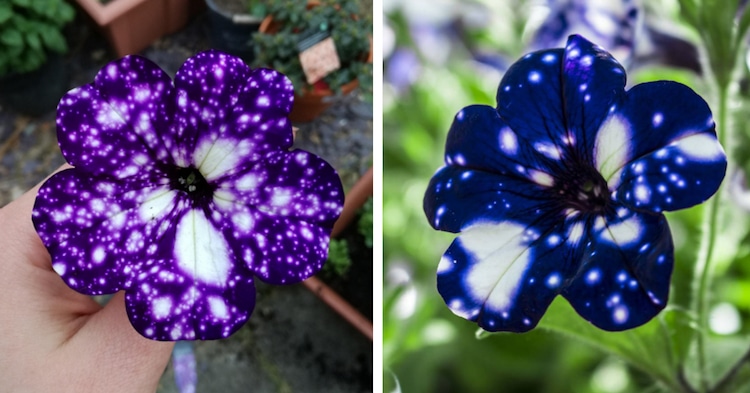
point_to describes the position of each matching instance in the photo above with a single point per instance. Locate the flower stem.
(703, 271)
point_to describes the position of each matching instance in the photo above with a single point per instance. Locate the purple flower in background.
(560, 190)
(182, 192)
(621, 27)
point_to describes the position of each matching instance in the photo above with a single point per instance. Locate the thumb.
(128, 361)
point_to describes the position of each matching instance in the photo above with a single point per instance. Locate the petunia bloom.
(560, 191)
(182, 193)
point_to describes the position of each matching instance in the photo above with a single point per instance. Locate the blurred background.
(443, 55)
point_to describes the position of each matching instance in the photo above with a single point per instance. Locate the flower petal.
(612, 24)
(95, 137)
(592, 82)
(626, 268)
(504, 275)
(287, 184)
(480, 139)
(678, 161)
(208, 85)
(262, 110)
(533, 87)
(96, 229)
(457, 198)
(143, 97)
(166, 304)
(278, 250)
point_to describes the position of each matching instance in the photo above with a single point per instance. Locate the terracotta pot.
(132, 25)
(312, 103)
(354, 200)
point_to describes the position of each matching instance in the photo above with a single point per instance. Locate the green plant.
(342, 19)
(364, 225)
(339, 261)
(29, 31)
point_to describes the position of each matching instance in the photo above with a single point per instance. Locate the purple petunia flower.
(182, 192)
(560, 191)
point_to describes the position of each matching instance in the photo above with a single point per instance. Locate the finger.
(121, 352)
(21, 241)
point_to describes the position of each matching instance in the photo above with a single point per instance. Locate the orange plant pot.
(312, 103)
(132, 25)
(354, 200)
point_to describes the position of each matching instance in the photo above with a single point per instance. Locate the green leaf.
(646, 348)
(53, 39)
(34, 41)
(11, 38)
(6, 12)
(22, 3)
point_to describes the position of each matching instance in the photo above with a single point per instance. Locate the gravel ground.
(293, 342)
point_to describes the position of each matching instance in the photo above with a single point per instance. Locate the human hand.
(53, 338)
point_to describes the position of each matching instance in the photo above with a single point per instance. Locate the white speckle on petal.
(218, 307)
(620, 315)
(99, 254)
(161, 307)
(508, 141)
(657, 119)
(642, 193)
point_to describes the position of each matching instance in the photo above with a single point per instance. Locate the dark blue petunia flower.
(560, 191)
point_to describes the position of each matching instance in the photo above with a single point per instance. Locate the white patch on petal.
(701, 147)
(549, 150)
(97, 205)
(445, 265)
(218, 307)
(215, 159)
(281, 197)
(161, 307)
(612, 149)
(224, 199)
(541, 178)
(59, 268)
(156, 203)
(201, 251)
(243, 221)
(500, 260)
(623, 233)
(575, 233)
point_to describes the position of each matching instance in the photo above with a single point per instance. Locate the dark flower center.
(191, 181)
(584, 190)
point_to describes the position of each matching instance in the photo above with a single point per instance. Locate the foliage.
(364, 225)
(29, 31)
(349, 30)
(339, 261)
